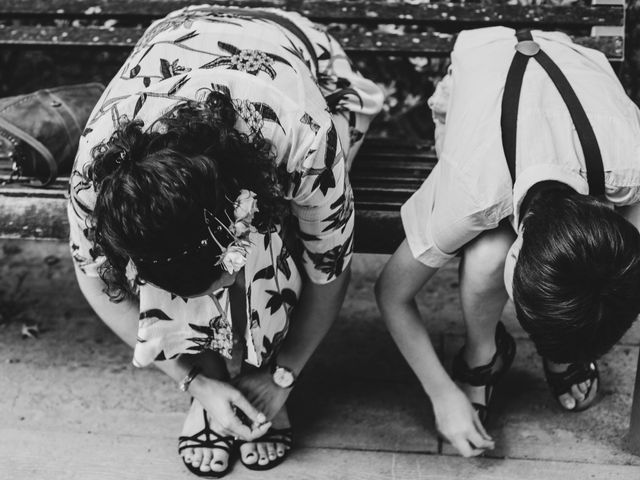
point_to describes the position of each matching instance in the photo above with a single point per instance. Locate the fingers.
(257, 418)
(234, 426)
(473, 442)
(479, 442)
(466, 450)
(480, 428)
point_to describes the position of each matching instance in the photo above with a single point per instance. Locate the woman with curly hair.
(212, 217)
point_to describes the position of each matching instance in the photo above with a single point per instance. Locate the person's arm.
(316, 311)
(400, 281)
(313, 316)
(217, 397)
(324, 213)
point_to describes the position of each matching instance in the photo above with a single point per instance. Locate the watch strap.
(183, 385)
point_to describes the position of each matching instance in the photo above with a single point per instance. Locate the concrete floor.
(73, 407)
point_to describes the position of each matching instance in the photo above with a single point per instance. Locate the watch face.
(283, 377)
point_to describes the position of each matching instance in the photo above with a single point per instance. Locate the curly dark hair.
(577, 276)
(153, 185)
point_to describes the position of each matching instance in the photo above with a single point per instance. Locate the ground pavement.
(73, 407)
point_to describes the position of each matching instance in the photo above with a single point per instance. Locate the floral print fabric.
(315, 120)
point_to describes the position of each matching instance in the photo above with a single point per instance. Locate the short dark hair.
(576, 283)
(153, 186)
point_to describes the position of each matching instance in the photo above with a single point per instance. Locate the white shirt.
(470, 189)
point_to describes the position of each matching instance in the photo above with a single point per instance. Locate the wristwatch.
(282, 376)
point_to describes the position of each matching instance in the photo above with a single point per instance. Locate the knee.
(485, 256)
(385, 293)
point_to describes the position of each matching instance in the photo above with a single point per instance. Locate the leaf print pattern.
(340, 218)
(247, 60)
(155, 314)
(267, 273)
(326, 179)
(287, 299)
(186, 37)
(283, 264)
(307, 120)
(179, 84)
(271, 347)
(332, 262)
(172, 69)
(159, 76)
(298, 52)
(255, 319)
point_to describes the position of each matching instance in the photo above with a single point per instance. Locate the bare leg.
(207, 459)
(483, 297)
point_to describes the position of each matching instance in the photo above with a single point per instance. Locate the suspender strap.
(510, 104)
(511, 98)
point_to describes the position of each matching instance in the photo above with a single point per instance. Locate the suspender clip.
(528, 48)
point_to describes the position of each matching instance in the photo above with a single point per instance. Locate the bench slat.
(376, 11)
(45, 218)
(427, 44)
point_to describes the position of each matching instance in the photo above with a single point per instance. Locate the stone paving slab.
(358, 415)
(528, 423)
(75, 384)
(73, 456)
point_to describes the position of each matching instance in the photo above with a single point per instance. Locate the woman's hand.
(258, 386)
(222, 403)
(458, 422)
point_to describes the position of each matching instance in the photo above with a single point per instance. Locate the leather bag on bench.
(44, 128)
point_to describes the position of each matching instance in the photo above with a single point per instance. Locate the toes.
(280, 449)
(263, 458)
(576, 393)
(271, 451)
(249, 453)
(583, 387)
(196, 458)
(567, 401)
(593, 392)
(205, 466)
(219, 460)
(187, 454)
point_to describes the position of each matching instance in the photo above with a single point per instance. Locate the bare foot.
(263, 453)
(206, 459)
(581, 395)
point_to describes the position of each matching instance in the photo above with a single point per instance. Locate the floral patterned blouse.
(312, 106)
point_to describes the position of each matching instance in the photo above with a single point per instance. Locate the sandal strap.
(488, 374)
(561, 382)
(212, 439)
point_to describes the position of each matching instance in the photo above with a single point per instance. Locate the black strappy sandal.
(273, 435)
(212, 440)
(487, 375)
(561, 382)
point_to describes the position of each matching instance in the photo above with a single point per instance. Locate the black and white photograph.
(319, 239)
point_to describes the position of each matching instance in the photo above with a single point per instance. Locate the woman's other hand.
(223, 404)
(259, 387)
(458, 422)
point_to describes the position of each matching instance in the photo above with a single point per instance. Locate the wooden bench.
(387, 171)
